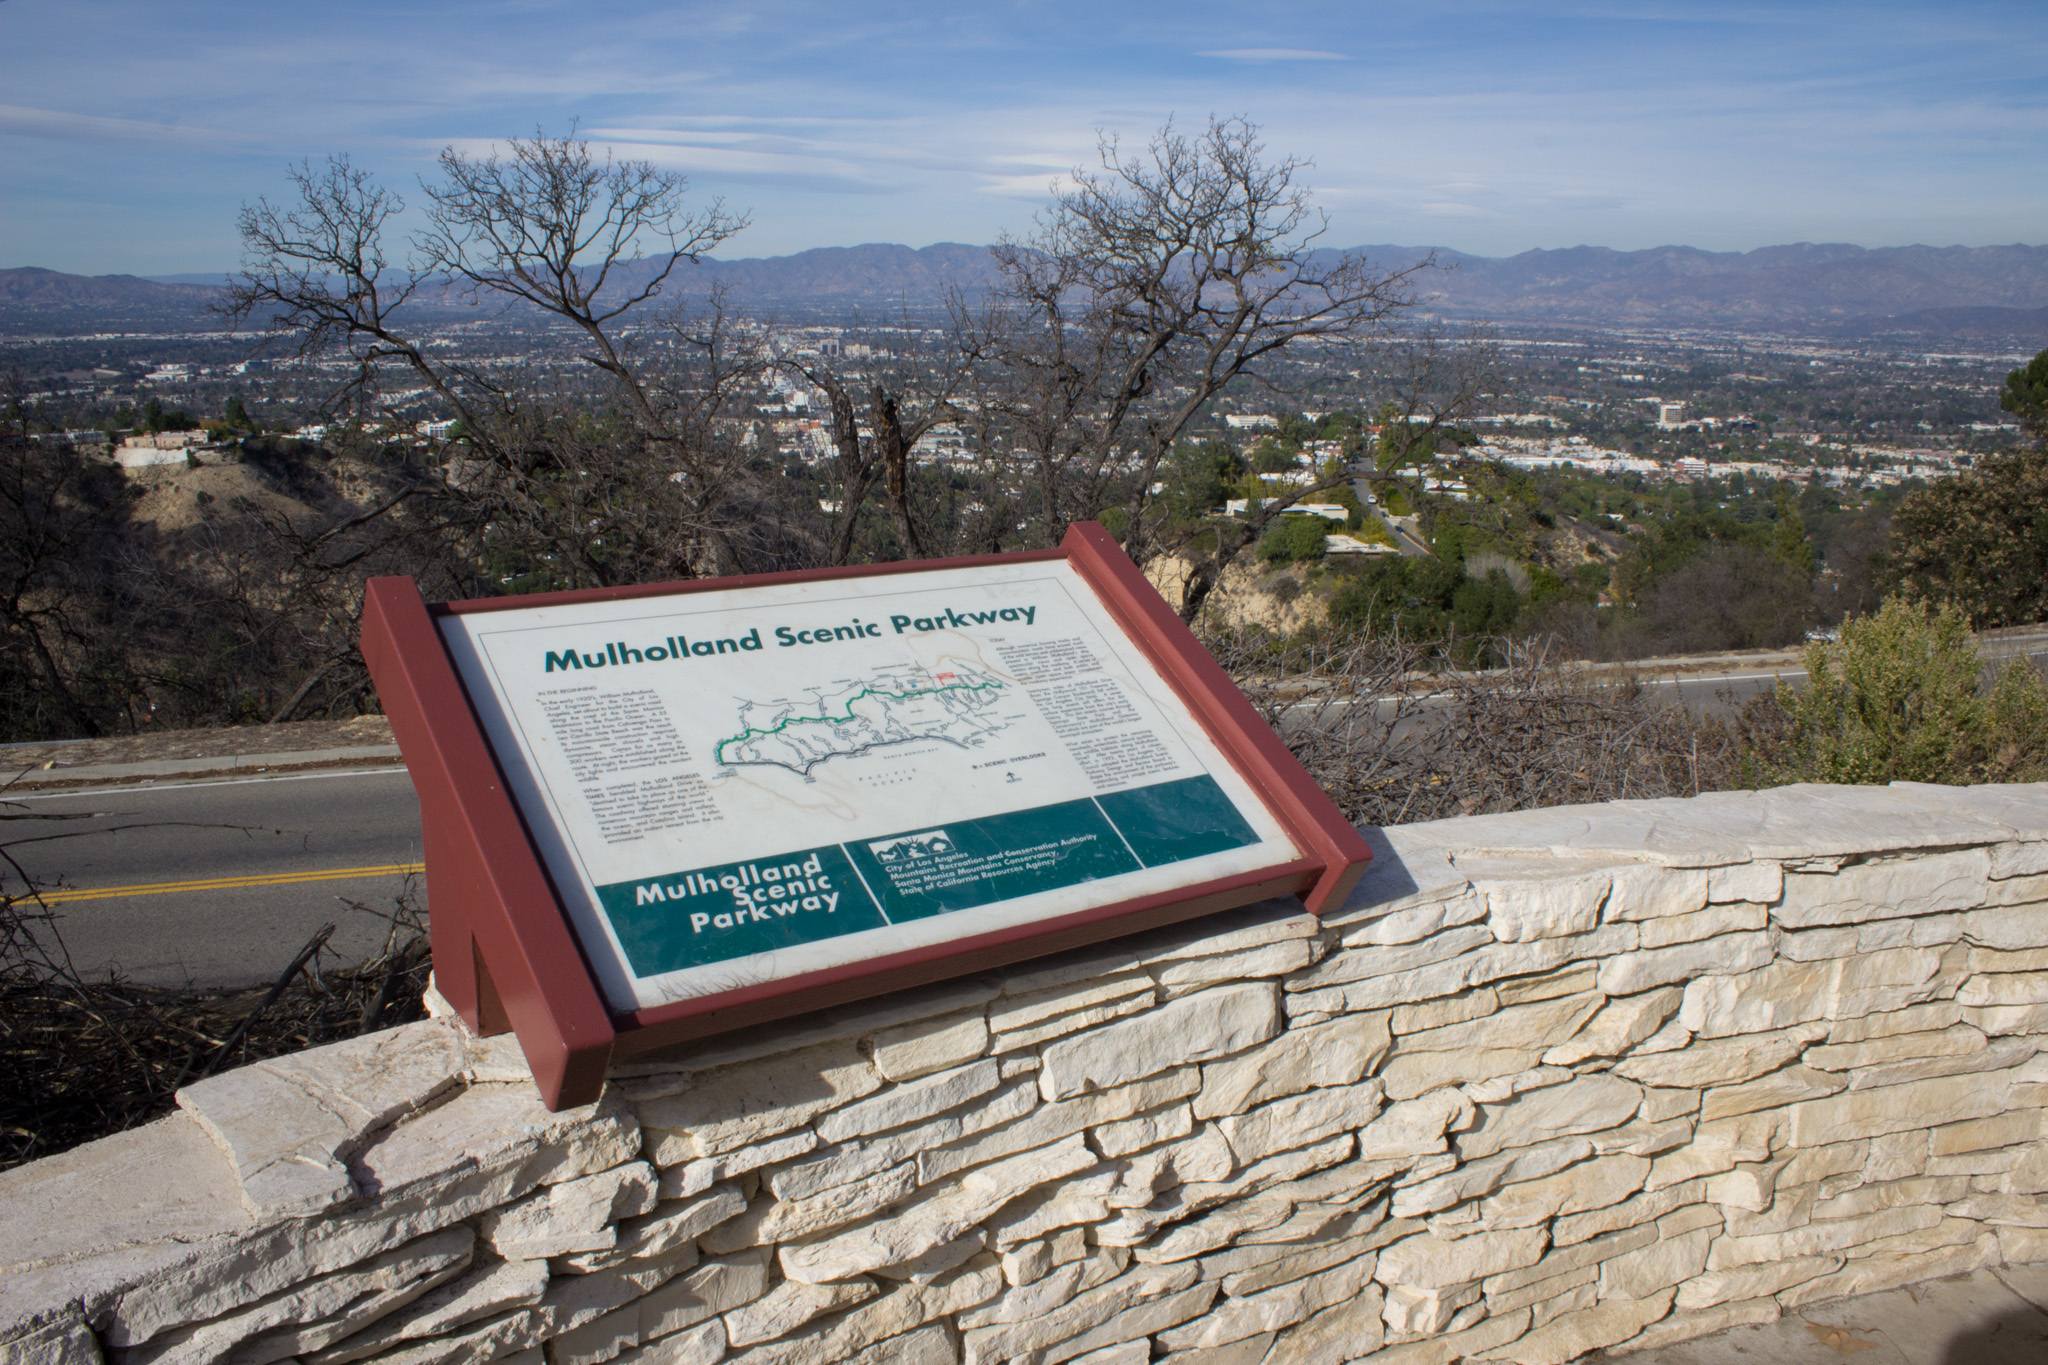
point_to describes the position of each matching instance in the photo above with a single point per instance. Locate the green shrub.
(1294, 539)
(1901, 697)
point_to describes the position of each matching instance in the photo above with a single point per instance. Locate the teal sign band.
(713, 914)
(732, 910)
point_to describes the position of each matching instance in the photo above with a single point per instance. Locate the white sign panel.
(741, 785)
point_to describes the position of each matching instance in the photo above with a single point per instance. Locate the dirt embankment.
(1250, 594)
(158, 746)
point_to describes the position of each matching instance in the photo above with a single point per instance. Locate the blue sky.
(131, 130)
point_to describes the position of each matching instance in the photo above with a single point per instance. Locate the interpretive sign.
(753, 797)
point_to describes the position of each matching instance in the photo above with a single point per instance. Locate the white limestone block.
(62, 1338)
(1455, 1009)
(576, 1215)
(2004, 989)
(912, 1050)
(290, 1124)
(480, 1293)
(1017, 1010)
(909, 1102)
(2000, 1020)
(1886, 887)
(888, 1330)
(713, 1288)
(1125, 1136)
(1549, 907)
(1185, 975)
(1335, 1053)
(742, 1105)
(1618, 1220)
(789, 1306)
(1575, 1334)
(703, 1344)
(1425, 1192)
(1080, 1314)
(1594, 1184)
(1761, 882)
(1619, 1026)
(1930, 1017)
(1995, 960)
(1664, 1264)
(1103, 962)
(1720, 1061)
(697, 1174)
(1140, 1320)
(1772, 997)
(1729, 954)
(1194, 1028)
(1299, 1120)
(1819, 1239)
(1734, 918)
(1588, 1104)
(1049, 1123)
(1775, 1091)
(663, 1232)
(1427, 1261)
(1231, 931)
(1649, 892)
(1060, 1025)
(1415, 1127)
(1919, 1104)
(316, 1312)
(2008, 927)
(925, 1223)
(767, 1224)
(1415, 922)
(993, 1114)
(672, 1069)
(1047, 1292)
(1412, 1312)
(1367, 962)
(1978, 1135)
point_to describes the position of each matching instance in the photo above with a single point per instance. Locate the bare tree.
(907, 395)
(1153, 283)
(656, 486)
(316, 275)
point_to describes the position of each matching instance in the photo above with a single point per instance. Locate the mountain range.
(1997, 293)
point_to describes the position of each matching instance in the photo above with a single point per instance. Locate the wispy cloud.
(1273, 54)
(1488, 126)
(74, 128)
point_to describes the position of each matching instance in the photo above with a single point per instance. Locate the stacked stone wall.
(1590, 1077)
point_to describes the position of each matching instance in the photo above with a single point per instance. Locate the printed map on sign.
(910, 705)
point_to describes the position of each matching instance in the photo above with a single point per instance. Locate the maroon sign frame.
(506, 956)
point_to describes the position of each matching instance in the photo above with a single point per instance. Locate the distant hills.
(33, 300)
(1917, 292)
(1841, 290)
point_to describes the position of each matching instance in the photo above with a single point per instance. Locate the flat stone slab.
(1974, 1319)
(289, 1125)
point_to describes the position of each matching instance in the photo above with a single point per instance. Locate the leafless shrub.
(81, 1058)
(1398, 732)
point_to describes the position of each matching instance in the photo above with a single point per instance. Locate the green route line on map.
(718, 754)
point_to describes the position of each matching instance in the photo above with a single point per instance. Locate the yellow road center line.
(82, 893)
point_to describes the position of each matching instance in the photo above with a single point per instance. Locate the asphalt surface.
(219, 883)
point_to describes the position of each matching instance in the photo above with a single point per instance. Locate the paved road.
(220, 883)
